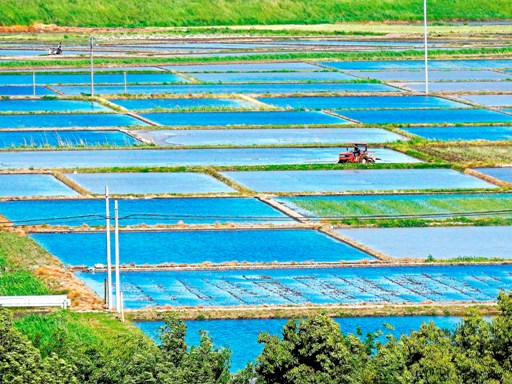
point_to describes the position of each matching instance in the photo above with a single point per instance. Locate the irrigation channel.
(229, 193)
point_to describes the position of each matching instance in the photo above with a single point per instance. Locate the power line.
(178, 217)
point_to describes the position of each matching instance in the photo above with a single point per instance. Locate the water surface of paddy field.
(181, 157)
(419, 65)
(356, 180)
(489, 100)
(248, 137)
(504, 174)
(462, 86)
(110, 78)
(67, 120)
(317, 286)
(243, 67)
(243, 118)
(432, 75)
(362, 102)
(21, 185)
(70, 138)
(143, 211)
(22, 52)
(149, 183)
(491, 133)
(42, 105)
(396, 205)
(241, 335)
(426, 116)
(227, 89)
(10, 90)
(439, 242)
(196, 247)
(177, 104)
(271, 77)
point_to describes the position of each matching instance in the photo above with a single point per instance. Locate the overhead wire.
(254, 218)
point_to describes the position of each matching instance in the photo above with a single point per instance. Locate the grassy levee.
(161, 13)
(100, 347)
(16, 277)
(28, 269)
(100, 330)
(269, 312)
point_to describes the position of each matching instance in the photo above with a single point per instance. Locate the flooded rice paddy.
(21, 185)
(63, 138)
(197, 247)
(184, 157)
(141, 211)
(250, 137)
(149, 183)
(356, 180)
(301, 286)
(440, 243)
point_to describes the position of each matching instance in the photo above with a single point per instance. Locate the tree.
(312, 350)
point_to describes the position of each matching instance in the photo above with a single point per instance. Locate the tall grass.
(81, 330)
(21, 283)
(18, 256)
(161, 13)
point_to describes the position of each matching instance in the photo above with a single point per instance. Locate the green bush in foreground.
(100, 349)
(68, 347)
(21, 362)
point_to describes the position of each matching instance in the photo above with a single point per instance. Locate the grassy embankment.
(33, 271)
(130, 13)
(18, 259)
(208, 313)
(101, 331)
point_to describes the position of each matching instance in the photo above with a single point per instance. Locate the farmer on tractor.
(359, 154)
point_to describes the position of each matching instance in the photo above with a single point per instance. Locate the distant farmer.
(357, 151)
(56, 51)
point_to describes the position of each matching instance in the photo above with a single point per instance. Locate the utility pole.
(109, 256)
(91, 43)
(426, 44)
(34, 82)
(118, 278)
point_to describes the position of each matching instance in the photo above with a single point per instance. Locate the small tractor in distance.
(359, 154)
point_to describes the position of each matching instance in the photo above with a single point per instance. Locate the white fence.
(35, 301)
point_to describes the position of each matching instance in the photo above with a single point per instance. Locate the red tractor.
(359, 154)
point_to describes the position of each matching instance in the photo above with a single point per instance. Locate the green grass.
(465, 259)
(324, 207)
(21, 283)
(17, 256)
(87, 330)
(163, 13)
(414, 222)
(470, 155)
